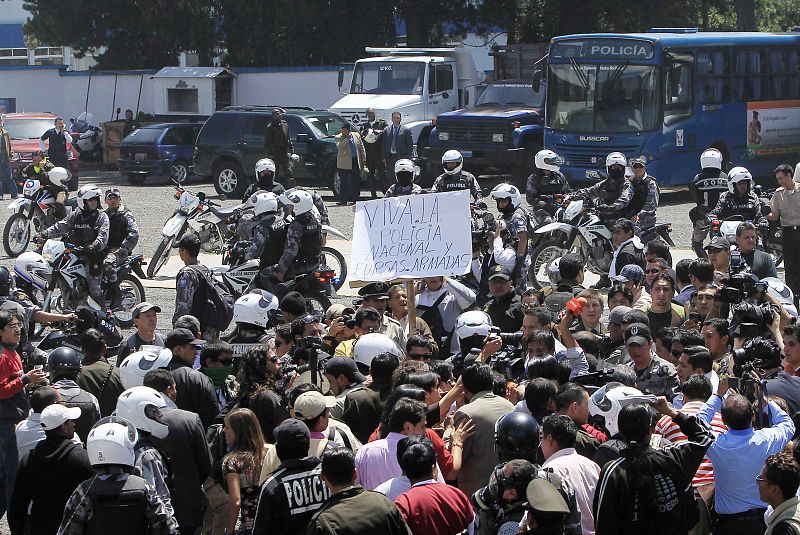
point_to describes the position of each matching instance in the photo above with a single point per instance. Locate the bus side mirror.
(537, 80)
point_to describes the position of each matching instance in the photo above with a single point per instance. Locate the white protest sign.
(415, 236)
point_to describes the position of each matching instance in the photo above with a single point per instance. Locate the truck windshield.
(604, 98)
(389, 78)
(510, 93)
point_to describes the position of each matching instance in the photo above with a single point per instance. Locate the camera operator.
(303, 328)
(768, 360)
(367, 320)
(761, 263)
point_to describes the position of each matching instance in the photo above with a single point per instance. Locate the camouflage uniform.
(260, 234)
(78, 511)
(151, 465)
(80, 226)
(463, 180)
(396, 190)
(658, 378)
(122, 238)
(647, 213)
(516, 222)
(613, 198)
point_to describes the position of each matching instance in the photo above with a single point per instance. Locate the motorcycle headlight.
(184, 210)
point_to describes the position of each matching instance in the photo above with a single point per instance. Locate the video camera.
(739, 284)
(508, 360)
(757, 355)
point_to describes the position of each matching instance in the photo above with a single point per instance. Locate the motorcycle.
(34, 212)
(196, 214)
(65, 334)
(86, 138)
(59, 277)
(579, 229)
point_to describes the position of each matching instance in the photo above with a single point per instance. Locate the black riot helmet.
(516, 436)
(64, 362)
(5, 281)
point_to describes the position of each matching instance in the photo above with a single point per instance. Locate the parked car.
(159, 149)
(25, 129)
(232, 141)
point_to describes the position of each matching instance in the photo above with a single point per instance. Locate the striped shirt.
(672, 434)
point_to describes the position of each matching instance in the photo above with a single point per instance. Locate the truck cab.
(420, 83)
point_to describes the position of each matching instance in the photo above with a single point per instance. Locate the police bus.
(670, 93)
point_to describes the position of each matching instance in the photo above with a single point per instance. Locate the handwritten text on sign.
(412, 236)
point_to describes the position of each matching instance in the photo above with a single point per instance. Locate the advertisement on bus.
(773, 127)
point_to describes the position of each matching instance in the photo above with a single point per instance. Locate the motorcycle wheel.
(160, 257)
(541, 257)
(333, 259)
(318, 303)
(16, 235)
(132, 294)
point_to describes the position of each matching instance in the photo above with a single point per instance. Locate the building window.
(182, 101)
(13, 56)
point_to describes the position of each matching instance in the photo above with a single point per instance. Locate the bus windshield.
(607, 98)
(389, 78)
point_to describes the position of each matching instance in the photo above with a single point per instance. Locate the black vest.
(610, 190)
(273, 249)
(89, 414)
(640, 189)
(85, 228)
(455, 182)
(311, 242)
(57, 146)
(121, 504)
(118, 227)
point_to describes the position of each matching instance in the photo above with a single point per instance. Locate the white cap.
(56, 415)
(309, 405)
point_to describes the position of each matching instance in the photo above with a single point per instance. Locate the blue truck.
(504, 128)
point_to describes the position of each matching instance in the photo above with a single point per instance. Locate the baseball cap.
(719, 242)
(499, 272)
(294, 303)
(375, 290)
(309, 405)
(637, 333)
(56, 414)
(631, 272)
(344, 366)
(178, 337)
(617, 314)
(544, 497)
(292, 433)
(336, 310)
(144, 307)
(188, 240)
(110, 192)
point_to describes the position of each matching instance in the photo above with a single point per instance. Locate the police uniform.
(122, 500)
(658, 378)
(303, 244)
(278, 145)
(516, 222)
(88, 230)
(462, 180)
(644, 202)
(747, 207)
(187, 283)
(123, 235)
(263, 232)
(396, 190)
(707, 186)
(544, 186)
(389, 326)
(255, 187)
(613, 196)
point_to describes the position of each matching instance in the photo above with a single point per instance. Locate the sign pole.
(412, 310)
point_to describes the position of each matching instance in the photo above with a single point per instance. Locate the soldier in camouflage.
(654, 375)
(123, 235)
(87, 230)
(644, 202)
(264, 227)
(404, 173)
(514, 221)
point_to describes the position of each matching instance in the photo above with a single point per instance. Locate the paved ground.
(154, 202)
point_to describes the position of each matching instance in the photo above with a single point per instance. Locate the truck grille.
(592, 156)
(478, 132)
(355, 117)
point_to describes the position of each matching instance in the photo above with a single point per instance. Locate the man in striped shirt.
(696, 389)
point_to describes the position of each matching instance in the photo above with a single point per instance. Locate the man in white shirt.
(558, 447)
(30, 431)
(439, 302)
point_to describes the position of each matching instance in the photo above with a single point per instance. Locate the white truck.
(420, 83)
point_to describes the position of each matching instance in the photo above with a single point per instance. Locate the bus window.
(784, 66)
(712, 71)
(677, 89)
(750, 75)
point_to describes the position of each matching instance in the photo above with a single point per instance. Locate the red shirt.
(435, 509)
(443, 457)
(13, 401)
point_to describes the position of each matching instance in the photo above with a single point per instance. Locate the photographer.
(766, 357)
(367, 320)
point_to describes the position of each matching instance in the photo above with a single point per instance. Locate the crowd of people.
(660, 400)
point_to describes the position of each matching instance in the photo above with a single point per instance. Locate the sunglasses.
(310, 319)
(412, 356)
(653, 271)
(273, 359)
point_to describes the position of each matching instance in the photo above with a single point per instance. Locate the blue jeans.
(8, 463)
(7, 181)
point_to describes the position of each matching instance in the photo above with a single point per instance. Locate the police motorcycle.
(577, 228)
(34, 211)
(86, 138)
(64, 334)
(57, 279)
(196, 214)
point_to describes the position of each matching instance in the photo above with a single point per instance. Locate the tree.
(746, 15)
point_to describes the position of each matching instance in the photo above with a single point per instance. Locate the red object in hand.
(575, 305)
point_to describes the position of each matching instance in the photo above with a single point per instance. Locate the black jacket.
(195, 392)
(102, 379)
(190, 464)
(46, 478)
(617, 510)
(269, 409)
(506, 313)
(363, 409)
(356, 511)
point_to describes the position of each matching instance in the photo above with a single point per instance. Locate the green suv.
(232, 141)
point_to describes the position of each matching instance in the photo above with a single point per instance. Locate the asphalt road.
(153, 203)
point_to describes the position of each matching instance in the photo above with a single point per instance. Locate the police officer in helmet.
(265, 179)
(87, 229)
(614, 193)
(707, 186)
(546, 182)
(454, 177)
(404, 174)
(123, 235)
(644, 202)
(509, 203)
(64, 365)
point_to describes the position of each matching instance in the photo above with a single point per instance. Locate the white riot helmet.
(607, 402)
(739, 174)
(452, 156)
(616, 158)
(780, 291)
(300, 200)
(371, 345)
(711, 159)
(137, 364)
(58, 176)
(112, 441)
(141, 406)
(554, 273)
(507, 191)
(472, 323)
(404, 172)
(87, 193)
(264, 164)
(254, 308)
(33, 268)
(371, 136)
(263, 202)
(548, 160)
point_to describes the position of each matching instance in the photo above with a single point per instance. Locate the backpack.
(217, 302)
(433, 317)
